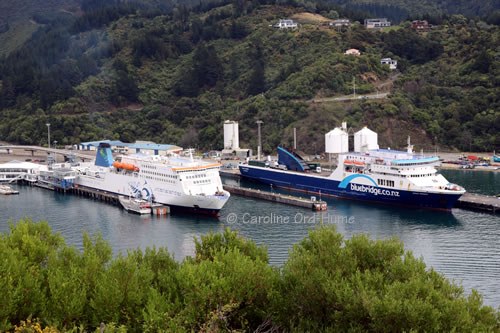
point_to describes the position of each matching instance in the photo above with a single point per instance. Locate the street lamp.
(259, 147)
(55, 147)
(48, 133)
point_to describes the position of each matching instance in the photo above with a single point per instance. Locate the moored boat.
(375, 175)
(7, 190)
(135, 205)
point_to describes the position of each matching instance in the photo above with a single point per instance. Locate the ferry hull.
(179, 202)
(329, 187)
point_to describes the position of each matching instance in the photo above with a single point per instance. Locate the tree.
(329, 283)
(256, 83)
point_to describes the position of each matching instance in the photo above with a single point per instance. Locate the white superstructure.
(394, 170)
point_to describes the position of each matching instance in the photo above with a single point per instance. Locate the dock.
(276, 197)
(479, 202)
(111, 198)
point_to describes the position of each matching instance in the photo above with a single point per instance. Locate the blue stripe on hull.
(330, 187)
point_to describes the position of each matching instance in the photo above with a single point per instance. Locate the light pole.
(48, 133)
(259, 147)
(55, 147)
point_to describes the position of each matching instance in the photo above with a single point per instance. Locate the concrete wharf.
(276, 197)
(479, 202)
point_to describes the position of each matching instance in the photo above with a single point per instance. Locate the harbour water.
(463, 245)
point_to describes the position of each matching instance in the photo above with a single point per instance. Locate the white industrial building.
(231, 135)
(232, 142)
(365, 140)
(337, 140)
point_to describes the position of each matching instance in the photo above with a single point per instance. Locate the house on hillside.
(286, 24)
(393, 64)
(377, 23)
(421, 25)
(354, 52)
(340, 23)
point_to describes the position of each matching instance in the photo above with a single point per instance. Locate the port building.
(145, 147)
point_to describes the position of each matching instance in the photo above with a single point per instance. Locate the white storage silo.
(336, 141)
(365, 139)
(231, 135)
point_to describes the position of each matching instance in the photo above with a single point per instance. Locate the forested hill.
(173, 75)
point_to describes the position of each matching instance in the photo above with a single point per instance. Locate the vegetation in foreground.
(327, 284)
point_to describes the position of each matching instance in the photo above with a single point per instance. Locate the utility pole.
(48, 134)
(354, 86)
(294, 138)
(259, 147)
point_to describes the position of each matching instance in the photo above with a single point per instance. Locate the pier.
(276, 197)
(479, 202)
(111, 198)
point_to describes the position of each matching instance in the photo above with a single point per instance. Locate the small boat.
(496, 158)
(468, 166)
(135, 205)
(7, 190)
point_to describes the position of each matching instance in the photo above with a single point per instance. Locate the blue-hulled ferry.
(378, 175)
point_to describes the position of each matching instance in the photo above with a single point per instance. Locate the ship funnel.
(104, 156)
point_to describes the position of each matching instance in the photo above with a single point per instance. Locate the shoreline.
(449, 166)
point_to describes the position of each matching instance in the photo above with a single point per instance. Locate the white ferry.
(184, 184)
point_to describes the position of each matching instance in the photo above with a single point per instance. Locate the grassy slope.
(19, 14)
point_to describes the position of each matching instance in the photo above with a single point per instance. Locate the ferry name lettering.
(373, 190)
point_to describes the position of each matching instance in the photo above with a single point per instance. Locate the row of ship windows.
(404, 176)
(385, 182)
(203, 175)
(161, 174)
(161, 179)
(149, 167)
(203, 181)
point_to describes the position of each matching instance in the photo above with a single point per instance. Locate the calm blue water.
(464, 245)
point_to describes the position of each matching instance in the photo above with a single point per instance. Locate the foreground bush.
(328, 284)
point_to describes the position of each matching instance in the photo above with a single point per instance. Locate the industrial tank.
(336, 141)
(231, 135)
(365, 139)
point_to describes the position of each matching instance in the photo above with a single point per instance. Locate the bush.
(363, 285)
(328, 284)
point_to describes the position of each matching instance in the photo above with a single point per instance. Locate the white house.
(286, 24)
(377, 23)
(354, 52)
(340, 23)
(393, 64)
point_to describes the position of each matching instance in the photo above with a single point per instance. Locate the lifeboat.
(125, 166)
(353, 162)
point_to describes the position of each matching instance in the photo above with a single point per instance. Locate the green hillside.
(20, 18)
(175, 76)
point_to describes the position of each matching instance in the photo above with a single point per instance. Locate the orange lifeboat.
(125, 166)
(353, 162)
